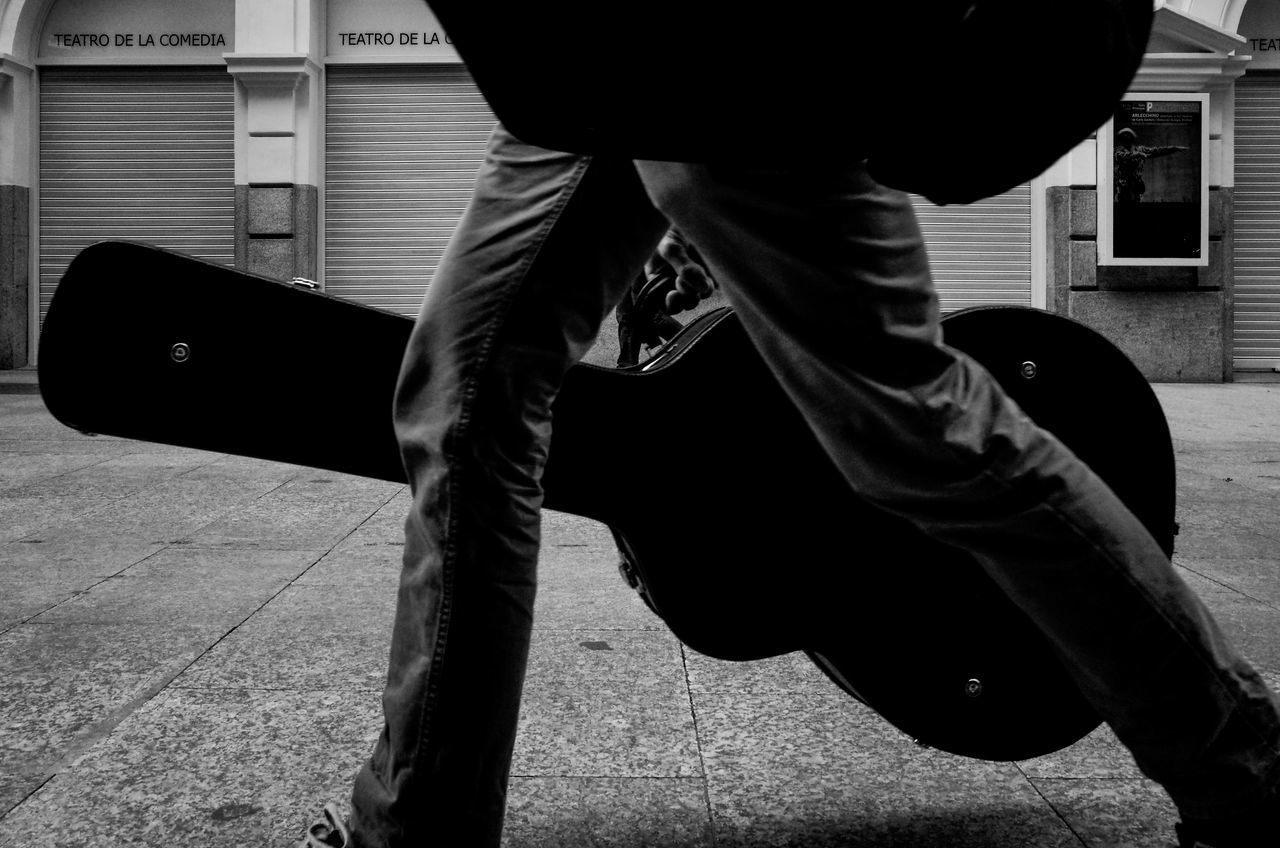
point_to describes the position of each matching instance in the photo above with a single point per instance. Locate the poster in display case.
(1153, 181)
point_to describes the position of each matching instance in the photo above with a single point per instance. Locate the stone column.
(15, 214)
(277, 201)
(277, 136)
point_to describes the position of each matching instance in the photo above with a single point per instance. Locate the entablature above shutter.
(1188, 54)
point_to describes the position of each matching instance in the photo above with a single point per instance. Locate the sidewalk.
(192, 647)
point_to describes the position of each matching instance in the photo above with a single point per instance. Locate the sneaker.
(329, 832)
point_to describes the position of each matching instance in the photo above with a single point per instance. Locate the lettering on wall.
(104, 40)
(1260, 27)
(392, 39)
(123, 31)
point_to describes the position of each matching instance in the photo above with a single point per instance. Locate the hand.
(693, 282)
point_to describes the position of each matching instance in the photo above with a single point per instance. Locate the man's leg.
(548, 244)
(827, 271)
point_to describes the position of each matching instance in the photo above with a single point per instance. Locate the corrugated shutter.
(980, 253)
(403, 145)
(142, 154)
(1257, 224)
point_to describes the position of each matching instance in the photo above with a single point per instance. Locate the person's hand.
(693, 282)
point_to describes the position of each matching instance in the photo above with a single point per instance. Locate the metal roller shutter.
(1257, 224)
(980, 253)
(403, 145)
(143, 154)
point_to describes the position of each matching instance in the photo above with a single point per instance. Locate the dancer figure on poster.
(1130, 164)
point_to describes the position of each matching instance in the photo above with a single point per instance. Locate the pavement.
(192, 647)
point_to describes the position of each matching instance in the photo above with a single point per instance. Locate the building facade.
(337, 139)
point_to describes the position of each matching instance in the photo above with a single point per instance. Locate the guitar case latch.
(629, 570)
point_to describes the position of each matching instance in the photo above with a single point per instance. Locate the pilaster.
(277, 163)
(15, 214)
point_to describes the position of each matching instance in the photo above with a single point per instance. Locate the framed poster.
(1153, 181)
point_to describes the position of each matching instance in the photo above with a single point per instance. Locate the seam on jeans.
(469, 381)
(1273, 762)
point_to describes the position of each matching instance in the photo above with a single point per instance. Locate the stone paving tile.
(304, 513)
(39, 516)
(368, 567)
(256, 474)
(1255, 577)
(12, 441)
(1114, 813)
(1098, 755)
(1211, 515)
(821, 770)
(608, 704)
(1228, 570)
(36, 574)
(553, 812)
(1251, 625)
(306, 638)
(562, 525)
(1251, 466)
(66, 683)
(219, 769)
(1220, 413)
(24, 418)
(368, 534)
(1263, 588)
(579, 587)
(172, 510)
(1238, 543)
(386, 526)
(18, 780)
(186, 585)
(789, 673)
(61, 453)
(23, 465)
(116, 476)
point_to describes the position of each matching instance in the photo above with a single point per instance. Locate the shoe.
(1259, 830)
(329, 832)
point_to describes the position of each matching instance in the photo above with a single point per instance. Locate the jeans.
(828, 274)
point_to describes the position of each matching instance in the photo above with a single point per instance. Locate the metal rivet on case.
(1028, 370)
(180, 352)
(973, 688)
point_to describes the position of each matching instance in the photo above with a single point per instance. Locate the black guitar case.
(748, 545)
(953, 99)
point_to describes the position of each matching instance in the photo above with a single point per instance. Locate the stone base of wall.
(277, 230)
(1170, 336)
(1175, 323)
(15, 276)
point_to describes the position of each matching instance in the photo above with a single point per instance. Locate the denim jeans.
(828, 274)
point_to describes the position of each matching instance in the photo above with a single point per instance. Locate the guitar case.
(952, 99)
(748, 544)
